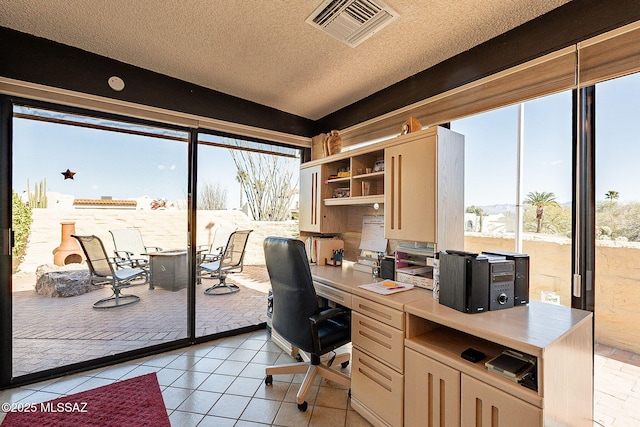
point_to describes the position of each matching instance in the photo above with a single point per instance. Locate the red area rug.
(134, 402)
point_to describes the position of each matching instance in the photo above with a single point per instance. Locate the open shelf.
(358, 200)
(372, 175)
(344, 179)
(445, 345)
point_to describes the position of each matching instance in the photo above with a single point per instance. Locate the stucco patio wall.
(164, 228)
(617, 281)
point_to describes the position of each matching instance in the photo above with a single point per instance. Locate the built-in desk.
(407, 368)
(377, 333)
(346, 280)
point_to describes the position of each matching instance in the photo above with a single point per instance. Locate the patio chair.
(219, 243)
(101, 272)
(231, 261)
(130, 249)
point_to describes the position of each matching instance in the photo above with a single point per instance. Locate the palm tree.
(540, 201)
(611, 195)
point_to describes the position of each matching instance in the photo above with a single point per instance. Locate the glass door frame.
(6, 237)
(584, 205)
(6, 310)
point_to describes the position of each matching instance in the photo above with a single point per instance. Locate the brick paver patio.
(51, 332)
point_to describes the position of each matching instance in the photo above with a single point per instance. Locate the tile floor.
(216, 384)
(221, 384)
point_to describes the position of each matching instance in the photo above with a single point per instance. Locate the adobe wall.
(617, 282)
(164, 228)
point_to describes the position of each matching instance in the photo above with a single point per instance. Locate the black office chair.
(299, 319)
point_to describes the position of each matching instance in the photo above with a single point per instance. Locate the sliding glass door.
(617, 215)
(122, 182)
(246, 191)
(162, 204)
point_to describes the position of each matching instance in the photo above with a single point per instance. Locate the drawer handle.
(373, 328)
(374, 339)
(374, 369)
(374, 311)
(374, 379)
(376, 375)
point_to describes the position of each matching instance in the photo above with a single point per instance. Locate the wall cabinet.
(313, 215)
(424, 181)
(409, 202)
(419, 177)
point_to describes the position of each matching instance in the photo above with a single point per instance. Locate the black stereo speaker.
(464, 282)
(521, 283)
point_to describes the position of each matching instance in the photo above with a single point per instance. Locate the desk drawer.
(379, 312)
(380, 340)
(377, 387)
(333, 294)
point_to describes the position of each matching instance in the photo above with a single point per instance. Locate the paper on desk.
(380, 288)
(373, 234)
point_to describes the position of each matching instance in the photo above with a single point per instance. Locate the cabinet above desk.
(417, 178)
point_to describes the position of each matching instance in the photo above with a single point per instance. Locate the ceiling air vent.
(352, 21)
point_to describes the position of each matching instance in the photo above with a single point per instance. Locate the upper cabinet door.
(310, 199)
(410, 191)
(314, 216)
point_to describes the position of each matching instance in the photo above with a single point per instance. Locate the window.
(491, 182)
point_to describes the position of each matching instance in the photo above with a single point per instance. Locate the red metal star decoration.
(68, 174)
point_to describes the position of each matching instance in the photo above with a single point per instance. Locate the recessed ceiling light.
(116, 83)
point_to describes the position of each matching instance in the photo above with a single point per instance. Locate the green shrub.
(21, 225)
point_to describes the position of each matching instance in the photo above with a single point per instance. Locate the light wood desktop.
(407, 368)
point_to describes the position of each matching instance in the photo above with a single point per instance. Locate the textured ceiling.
(262, 50)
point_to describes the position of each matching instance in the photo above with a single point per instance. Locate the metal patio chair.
(130, 249)
(218, 245)
(231, 261)
(102, 272)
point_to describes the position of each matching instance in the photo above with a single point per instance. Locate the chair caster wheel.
(268, 380)
(344, 364)
(298, 358)
(302, 407)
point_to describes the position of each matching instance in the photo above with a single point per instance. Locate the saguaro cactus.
(37, 199)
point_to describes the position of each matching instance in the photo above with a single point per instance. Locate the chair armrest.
(119, 262)
(148, 249)
(210, 258)
(318, 319)
(123, 259)
(124, 255)
(325, 315)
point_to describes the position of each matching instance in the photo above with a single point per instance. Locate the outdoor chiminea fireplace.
(69, 251)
